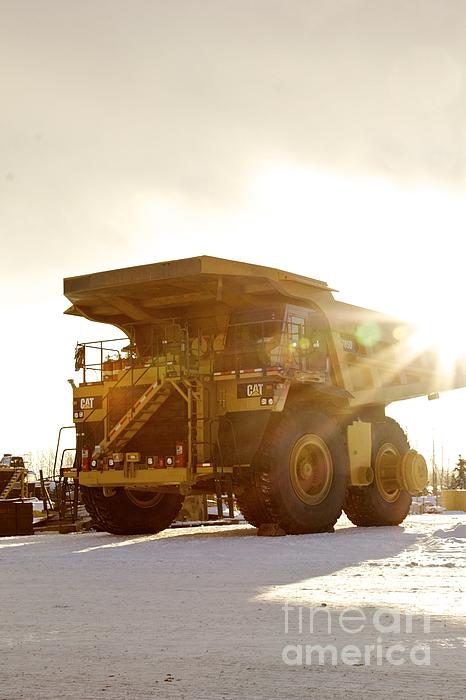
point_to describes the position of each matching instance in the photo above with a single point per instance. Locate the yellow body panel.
(454, 500)
(359, 452)
(142, 477)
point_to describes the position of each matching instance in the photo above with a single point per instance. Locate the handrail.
(64, 427)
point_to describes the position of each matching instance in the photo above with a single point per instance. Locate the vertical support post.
(24, 484)
(231, 503)
(74, 510)
(191, 466)
(101, 361)
(218, 493)
(231, 506)
(43, 492)
(78, 466)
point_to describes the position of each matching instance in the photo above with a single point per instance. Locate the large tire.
(132, 512)
(301, 472)
(381, 503)
(86, 498)
(252, 504)
(88, 501)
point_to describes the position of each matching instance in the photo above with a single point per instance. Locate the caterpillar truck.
(242, 379)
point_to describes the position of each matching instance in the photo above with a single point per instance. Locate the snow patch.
(457, 532)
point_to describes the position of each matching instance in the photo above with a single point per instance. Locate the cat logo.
(258, 390)
(254, 390)
(87, 403)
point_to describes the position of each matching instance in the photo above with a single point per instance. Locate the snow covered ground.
(217, 612)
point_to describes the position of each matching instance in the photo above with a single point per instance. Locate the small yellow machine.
(243, 379)
(13, 478)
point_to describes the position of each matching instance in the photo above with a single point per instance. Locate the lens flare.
(444, 335)
(368, 334)
(401, 332)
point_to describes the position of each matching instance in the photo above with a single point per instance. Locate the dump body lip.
(177, 269)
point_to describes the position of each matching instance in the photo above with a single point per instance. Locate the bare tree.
(44, 459)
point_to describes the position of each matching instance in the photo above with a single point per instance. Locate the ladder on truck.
(149, 403)
(13, 476)
(177, 370)
(191, 391)
(67, 487)
(136, 417)
(68, 490)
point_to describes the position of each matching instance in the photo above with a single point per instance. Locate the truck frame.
(247, 380)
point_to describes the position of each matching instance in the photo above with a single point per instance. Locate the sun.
(444, 334)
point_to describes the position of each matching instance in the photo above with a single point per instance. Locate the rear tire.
(302, 473)
(381, 503)
(131, 512)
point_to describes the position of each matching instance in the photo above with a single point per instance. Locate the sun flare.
(445, 337)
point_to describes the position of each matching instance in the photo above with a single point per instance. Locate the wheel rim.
(143, 499)
(386, 472)
(311, 469)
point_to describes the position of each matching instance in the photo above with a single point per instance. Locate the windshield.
(249, 328)
(251, 337)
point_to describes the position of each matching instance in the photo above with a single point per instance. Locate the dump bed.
(371, 355)
(148, 292)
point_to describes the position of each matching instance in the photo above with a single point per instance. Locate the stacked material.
(15, 518)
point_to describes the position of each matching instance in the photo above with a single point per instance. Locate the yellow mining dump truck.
(244, 379)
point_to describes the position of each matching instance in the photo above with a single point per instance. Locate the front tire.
(129, 512)
(383, 502)
(252, 503)
(302, 471)
(88, 501)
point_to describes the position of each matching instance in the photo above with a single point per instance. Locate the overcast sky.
(324, 137)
